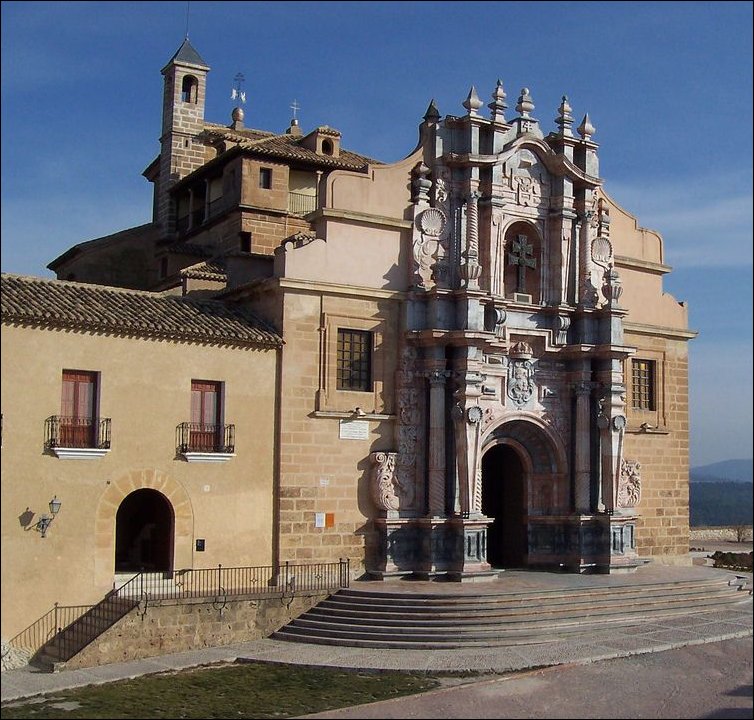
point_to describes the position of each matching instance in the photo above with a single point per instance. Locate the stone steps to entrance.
(395, 619)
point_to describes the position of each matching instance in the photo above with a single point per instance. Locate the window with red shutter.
(205, 428)
(78, 409)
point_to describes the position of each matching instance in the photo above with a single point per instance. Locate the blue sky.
(668, 86)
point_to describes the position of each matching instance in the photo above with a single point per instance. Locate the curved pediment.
(555, 163)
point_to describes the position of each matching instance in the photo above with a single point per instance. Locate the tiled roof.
(147, 232)
(187, 248)
(56, 303)
(206, 270)
(287, 147)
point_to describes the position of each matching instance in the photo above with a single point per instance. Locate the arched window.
(327, 147)
(190, 89)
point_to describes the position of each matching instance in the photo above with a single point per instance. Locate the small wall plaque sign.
(354, 430)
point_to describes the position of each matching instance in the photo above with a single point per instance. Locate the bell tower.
(182, 120)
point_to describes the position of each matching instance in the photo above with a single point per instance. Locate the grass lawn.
(243, 690)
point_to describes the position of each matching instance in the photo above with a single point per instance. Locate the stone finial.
(525, 103)
(586, 129)
(237, 117)
(564, 119)
(472, 103)
(498, 106)
(433, 114)
(420, 183)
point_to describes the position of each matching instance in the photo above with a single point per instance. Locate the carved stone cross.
(521, 255)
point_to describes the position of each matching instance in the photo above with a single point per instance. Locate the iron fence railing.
(301, 203)
(69, 628)
(77, 432)
(227, 581)
(39, 633)
(198, 437)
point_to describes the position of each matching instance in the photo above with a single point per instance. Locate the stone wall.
(663, 451)
(173, 626)
(720, 534)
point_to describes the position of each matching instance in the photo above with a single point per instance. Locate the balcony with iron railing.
(301, 203)
(198, 442)
(77, 437)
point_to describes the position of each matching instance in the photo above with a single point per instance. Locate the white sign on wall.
(354, 430)
(319, 519)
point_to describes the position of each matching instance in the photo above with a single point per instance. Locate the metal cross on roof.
(295, 107)
(238, 93)
(521, 254)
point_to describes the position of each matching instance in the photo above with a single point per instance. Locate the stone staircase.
(72, 639)
(440, 619)
(124, 597)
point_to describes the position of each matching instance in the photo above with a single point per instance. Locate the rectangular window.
(245, 241)
(354, 367)
(78, 409)
(265, 178)
(643, 384)
(205, 430)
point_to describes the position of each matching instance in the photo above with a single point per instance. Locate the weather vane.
(295, 107)
(238, 93)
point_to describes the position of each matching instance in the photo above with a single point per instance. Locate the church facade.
(465, 360)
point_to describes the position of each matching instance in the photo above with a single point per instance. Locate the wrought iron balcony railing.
(301, 203)
(200, 438)
(72, 432)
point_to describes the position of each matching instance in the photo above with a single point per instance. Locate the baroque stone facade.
(479, 366)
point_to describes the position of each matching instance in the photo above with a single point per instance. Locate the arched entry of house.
(144, 527)
(523, 474)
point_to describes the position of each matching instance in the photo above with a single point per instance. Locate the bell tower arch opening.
(144, 533)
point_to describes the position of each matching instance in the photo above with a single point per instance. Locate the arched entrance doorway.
(144, 532)
(504, 499)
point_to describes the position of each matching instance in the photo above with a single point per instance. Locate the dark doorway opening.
(144, 533)
(504, 499)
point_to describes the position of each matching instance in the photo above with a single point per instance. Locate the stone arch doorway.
(524, 477)
(144, 529)
(504, 499)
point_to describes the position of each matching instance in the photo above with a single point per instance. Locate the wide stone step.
(398, 618)
(440, 600)
(488, 616)
(453, 637)
(465, 605)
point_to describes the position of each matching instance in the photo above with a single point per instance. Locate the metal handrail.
(71, 627)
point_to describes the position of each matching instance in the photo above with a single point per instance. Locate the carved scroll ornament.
(384, 480)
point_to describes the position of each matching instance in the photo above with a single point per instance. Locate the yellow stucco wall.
(145, 388)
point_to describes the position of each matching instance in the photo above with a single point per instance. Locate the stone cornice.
(355, 216)
(645, 265)
(659, 330)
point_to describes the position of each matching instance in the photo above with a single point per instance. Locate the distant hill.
(716, 504)
(737, 471)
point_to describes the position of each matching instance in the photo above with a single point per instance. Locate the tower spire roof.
(188, 55)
